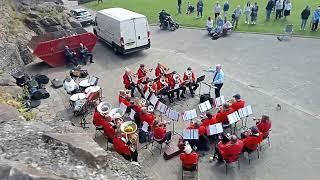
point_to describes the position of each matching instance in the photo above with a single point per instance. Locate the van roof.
(120, 14)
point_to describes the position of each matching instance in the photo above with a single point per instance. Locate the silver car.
(82, 16)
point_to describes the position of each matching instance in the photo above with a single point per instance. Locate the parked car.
(125, 31)
(82, 16)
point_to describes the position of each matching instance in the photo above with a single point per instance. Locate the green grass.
(151, 8)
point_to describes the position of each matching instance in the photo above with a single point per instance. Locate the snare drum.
(76, 97)
(84, 84)
(92, 89)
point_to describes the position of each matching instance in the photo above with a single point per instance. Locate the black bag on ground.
(215, 36)
(35, 94)
(56, 83)
(42, 79)
(206, 97)
(44, 93)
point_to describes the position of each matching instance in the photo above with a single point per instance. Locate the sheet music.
(123, 107)
(208, 105)
(132, 113)
(245, 112)
(147, 94)
(195, 133)
(249, 110)
(193, 113)
(190, 134)
(153, 99)
(205, 106)
(161, 107)
(145, 126)
(219, 101)
(219, 128)
(237, 116)
(174, 115)
(231, 118)
(215, 129)
(168, 112)
(240, 111)
(186, 115)
(186, 134)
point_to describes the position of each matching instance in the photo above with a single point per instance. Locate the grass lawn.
(151, 8)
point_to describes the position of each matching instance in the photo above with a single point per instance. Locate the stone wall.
(10, 59)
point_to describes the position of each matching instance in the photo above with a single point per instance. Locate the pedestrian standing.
(235, 16)
(287, 9)
(279, 7)
(254, 13)
(216, 10)
(315, 19)
(226, 7)
(304, 18)
(269, 8)
(199, 8)
(283, 4)
(99, 1)
(218, 78)
(247, 12)
(179, 6)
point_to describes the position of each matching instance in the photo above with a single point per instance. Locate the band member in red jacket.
(230, 151)
(190, 81)
(189, 158)
(109, 131)
(221, 116)
(163, 87)
(124, 97)
(202, 143)
(209, 120)
(129, 82)
(251, 139)
(146, 116)
(160, 70)
(121, 146)
(142, 74)
(264, 125)
(160, 132)
(177, 85)
(150, 86)
(237, 103)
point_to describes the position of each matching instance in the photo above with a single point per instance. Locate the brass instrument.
(116, 113)
(104, 108)
(129, 128)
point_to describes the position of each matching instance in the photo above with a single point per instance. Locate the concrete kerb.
(245, 32)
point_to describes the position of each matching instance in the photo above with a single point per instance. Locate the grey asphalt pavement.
(263, 70)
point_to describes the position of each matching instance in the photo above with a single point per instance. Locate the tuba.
(116, 113)
(128, 127)
(104, 108)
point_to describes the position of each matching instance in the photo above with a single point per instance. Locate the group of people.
(164, 84)
(71, 55)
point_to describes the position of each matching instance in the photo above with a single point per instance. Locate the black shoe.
(182, 95)
(192, 95)
(171, 100)
(178, 99)
(91, 61)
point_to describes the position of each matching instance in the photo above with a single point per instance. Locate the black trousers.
(73, 60)
(132, 89)
(85, 56)
(192, 87)
(133, 157)
(314, 26)
(167, 137)
(217, 90)
(278, 13)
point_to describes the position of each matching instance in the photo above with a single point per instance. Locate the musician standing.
(218, 79)
(190, 81)
(128, 81)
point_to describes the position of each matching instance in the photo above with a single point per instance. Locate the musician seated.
(70, 56)
(163, 87)
(160, 70)
(222, 114)
(146, 116)
(230, 151)
(237, 103)
(264, 125)
(150, 86)
(190, 81)
(142, 74)
(121, 146)
(202, 143)
(189, 158)
(124, 97)
(70, 85)
(251, 139)
(85, 54)
(160, 132)
(176, 85)
(208, 120)
(98, 119)
(128, 81)
(109, 130)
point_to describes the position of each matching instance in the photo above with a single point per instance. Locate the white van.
(125, 31)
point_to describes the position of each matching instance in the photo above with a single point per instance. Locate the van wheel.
(115, 49)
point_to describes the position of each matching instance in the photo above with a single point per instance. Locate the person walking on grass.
(287, 9)
(216, 10)
(179, 6)
(279, 7)
(315, 19)
(235, 16)
(254, 13)
(226, 7)
(199, 8)
(247, 12)
(269, 8)
(304, 18)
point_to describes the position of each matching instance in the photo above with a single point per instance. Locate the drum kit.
(75, 97)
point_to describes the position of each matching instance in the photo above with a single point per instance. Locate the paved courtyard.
(264, 71)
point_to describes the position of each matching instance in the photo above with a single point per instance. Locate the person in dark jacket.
(85, 54)
(179, 6)
(304, 17)
(70, 56)
(199, 8)
(226, 7)
(254, 13)
(269, 9)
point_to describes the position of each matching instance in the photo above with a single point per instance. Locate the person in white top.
(209, 25)
(287, 9)
(247, 12)
(70, 85)
(227, 27)
(216, 10)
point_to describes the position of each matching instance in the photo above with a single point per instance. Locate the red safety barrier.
(49, 47)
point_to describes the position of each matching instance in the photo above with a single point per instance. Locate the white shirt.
(210, 23)
(227, 25)
(70, 86)
(288, 6)
(217, 8)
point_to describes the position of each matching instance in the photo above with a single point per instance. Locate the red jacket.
(160, 85)
(159, 132)
(124, 101)
(98, 119)
(238, 105)
(189, 160)
(185, 77)
(208, 122)
(157, 71)
(230, 152)
(137, 108)
(141, 75)
(108, 130)
(153, 87)
(120, 146)
(126, 81)
(202, 129)
(147, 117)
(251, 142)
(222, 116)
(264, 127)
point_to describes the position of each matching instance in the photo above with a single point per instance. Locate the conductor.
(218, 79)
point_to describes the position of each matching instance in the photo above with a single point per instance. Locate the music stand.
(245, 113)
(199, 80)
(174, 116)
